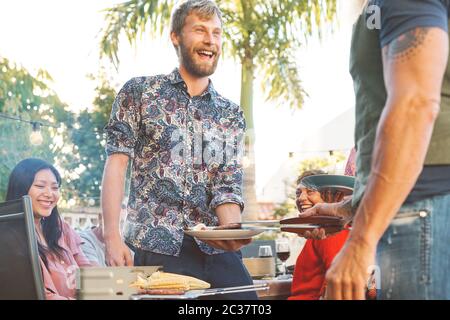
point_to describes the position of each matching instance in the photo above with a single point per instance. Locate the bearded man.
(185, 144)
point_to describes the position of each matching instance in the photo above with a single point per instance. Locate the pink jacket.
(59, 277)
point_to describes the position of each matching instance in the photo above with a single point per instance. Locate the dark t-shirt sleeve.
(400, 16)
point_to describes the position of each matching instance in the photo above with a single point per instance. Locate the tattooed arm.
(413, 66)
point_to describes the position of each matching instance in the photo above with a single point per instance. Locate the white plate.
(232, 234)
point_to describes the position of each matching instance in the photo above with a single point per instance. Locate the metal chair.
(20, 270)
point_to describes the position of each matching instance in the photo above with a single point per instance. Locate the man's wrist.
(363, 238)
(228, 213)
(109, 236)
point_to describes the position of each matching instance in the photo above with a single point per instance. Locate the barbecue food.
(199, 227)
(229, 226)
(175, 292)
(165, 281)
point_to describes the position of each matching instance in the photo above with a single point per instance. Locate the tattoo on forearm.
(405, 46)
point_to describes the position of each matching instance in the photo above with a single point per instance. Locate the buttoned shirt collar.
(176, 79)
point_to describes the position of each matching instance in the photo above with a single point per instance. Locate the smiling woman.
(306, 198)
(316, 256)
(59, 245)
(44, 193)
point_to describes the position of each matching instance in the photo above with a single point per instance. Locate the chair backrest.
(20, 270)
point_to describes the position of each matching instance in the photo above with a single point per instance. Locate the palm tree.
(262, 34)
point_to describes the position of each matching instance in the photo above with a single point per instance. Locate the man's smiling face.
(199, 45)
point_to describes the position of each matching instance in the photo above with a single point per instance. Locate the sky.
(62, 38)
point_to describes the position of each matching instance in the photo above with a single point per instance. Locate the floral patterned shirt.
(186, 154)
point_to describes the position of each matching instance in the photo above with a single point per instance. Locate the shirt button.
(423, 214)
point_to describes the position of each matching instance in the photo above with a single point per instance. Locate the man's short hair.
(203, 8)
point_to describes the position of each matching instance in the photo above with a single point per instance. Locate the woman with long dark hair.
(58, 243)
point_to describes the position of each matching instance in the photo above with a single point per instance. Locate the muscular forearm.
(112, 193)
(400, 147)
(413, 69)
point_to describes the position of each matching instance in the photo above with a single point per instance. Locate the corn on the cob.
(164, 280)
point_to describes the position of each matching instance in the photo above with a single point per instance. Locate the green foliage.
(327, 164)
(286, 209)
(263, 34)
(76, 146)
(133, 18)
(89, 141)
(266, 35)
(30, 98)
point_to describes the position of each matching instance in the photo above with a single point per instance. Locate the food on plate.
(229, 226)
(169, 281)
(199, 227)
(175, 292)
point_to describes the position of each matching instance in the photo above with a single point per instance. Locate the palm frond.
(263, 32)
(281, 80)
(285, 26)
(132, 18)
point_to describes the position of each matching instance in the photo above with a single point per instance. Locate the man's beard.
(196, 69)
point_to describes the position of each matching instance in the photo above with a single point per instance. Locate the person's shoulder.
(404, 8)
(138, 81)
(225, 101)
(231, 111)
(86, 234)
(400, 16)
(141, 83)
(68, 231)
(227, 104)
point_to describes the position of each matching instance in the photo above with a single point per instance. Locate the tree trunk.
(251, 206)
